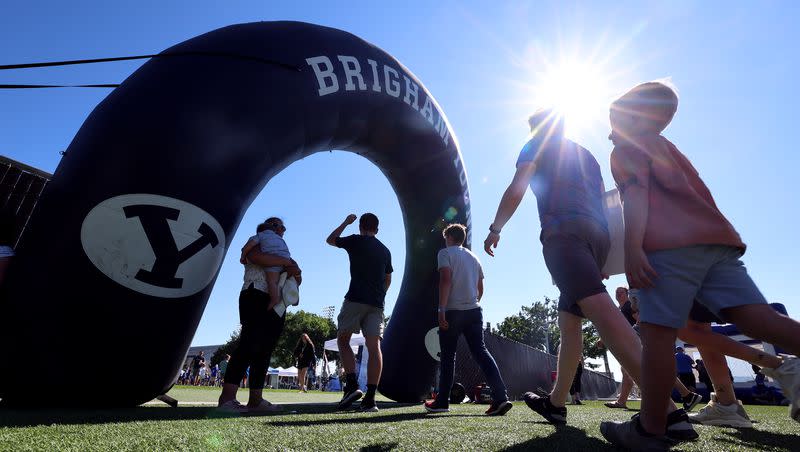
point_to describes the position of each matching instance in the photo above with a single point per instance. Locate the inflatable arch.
(120, 258)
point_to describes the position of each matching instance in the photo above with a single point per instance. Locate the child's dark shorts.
(575, 252)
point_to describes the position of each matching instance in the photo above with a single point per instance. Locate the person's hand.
(491, 242)
(443, 325)
(350, 219)
(638, 270)
(604, 275)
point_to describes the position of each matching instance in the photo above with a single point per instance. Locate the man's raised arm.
(331, 240)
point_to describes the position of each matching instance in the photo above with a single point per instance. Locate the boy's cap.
(656, 101)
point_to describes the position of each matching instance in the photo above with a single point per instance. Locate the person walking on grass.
(673, 263)
(362, 310)
(261, 328)
(306, 358)
(575, 389)
(460, 313)
(569, 191)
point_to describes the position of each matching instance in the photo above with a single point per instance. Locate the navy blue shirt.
(684, 363)
(370, 262)
(567, 181)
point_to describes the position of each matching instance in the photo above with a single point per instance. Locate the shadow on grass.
(380, 447)
(372, 419)
(575, 438)
(760, 439)
(34, 417)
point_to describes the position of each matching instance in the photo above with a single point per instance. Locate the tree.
(534, 325)
(227, 348)
(318, 328)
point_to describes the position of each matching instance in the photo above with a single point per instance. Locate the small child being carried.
(269, 239)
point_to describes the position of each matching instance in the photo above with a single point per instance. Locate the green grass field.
(310, 422)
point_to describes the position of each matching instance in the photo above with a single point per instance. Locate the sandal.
(616, 404)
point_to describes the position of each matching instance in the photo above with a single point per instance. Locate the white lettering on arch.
(326, 78)
(352, 70)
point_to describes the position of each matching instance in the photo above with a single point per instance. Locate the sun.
(578, 90)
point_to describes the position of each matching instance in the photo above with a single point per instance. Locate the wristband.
(442, 309)
(493, 230)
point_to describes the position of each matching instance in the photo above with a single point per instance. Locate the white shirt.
(466, 271)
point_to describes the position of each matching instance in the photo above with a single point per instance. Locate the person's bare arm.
(255, 256)
(246, 250)
(509, 203)
(631, 171)
(635, 209)
(445, 284)
(480, 288)
(331, 240)
(387, 282)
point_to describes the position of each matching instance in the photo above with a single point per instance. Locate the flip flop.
(615, 405)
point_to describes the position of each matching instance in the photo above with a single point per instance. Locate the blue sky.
(734, 64)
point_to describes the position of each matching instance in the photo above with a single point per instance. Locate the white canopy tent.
(290, 372)
(356, 340)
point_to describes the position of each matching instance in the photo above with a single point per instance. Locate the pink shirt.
(682, 211)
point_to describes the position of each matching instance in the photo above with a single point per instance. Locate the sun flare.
(580, 91)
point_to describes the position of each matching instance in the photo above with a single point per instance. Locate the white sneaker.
(722, 415)
(788, 375)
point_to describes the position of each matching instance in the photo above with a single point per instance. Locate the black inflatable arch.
(117, 264)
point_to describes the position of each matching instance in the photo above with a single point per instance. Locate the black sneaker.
(542, 405)
(577, 402)
(368, 405)
(691, 400)
(350, 396)
(499, 408)
(627, 436)
(678, 426)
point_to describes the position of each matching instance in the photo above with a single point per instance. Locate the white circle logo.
(153, 244)
(432, 343)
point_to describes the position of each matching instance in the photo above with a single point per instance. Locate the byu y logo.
(153, 244)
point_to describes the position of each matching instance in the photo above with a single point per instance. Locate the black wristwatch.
(493, 230)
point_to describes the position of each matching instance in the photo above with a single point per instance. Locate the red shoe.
(433, 407)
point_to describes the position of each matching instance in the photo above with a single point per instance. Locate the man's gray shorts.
(356, 317)
(712, 274)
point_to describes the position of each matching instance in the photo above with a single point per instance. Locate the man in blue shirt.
(685, 371)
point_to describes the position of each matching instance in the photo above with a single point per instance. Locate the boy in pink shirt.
(679, 247)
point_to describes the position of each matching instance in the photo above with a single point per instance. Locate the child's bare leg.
(658, 375)
(717, 368)
(625, 389)
(272, 287)
(620, 338)
(568, 355)
(702, 335)
(682, 389)
(760, 321)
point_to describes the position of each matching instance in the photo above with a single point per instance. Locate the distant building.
(194, 351)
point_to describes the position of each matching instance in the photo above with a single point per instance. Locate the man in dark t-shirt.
(362, 310)
(198, 362)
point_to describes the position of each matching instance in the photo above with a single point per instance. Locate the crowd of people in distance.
(202, 373)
